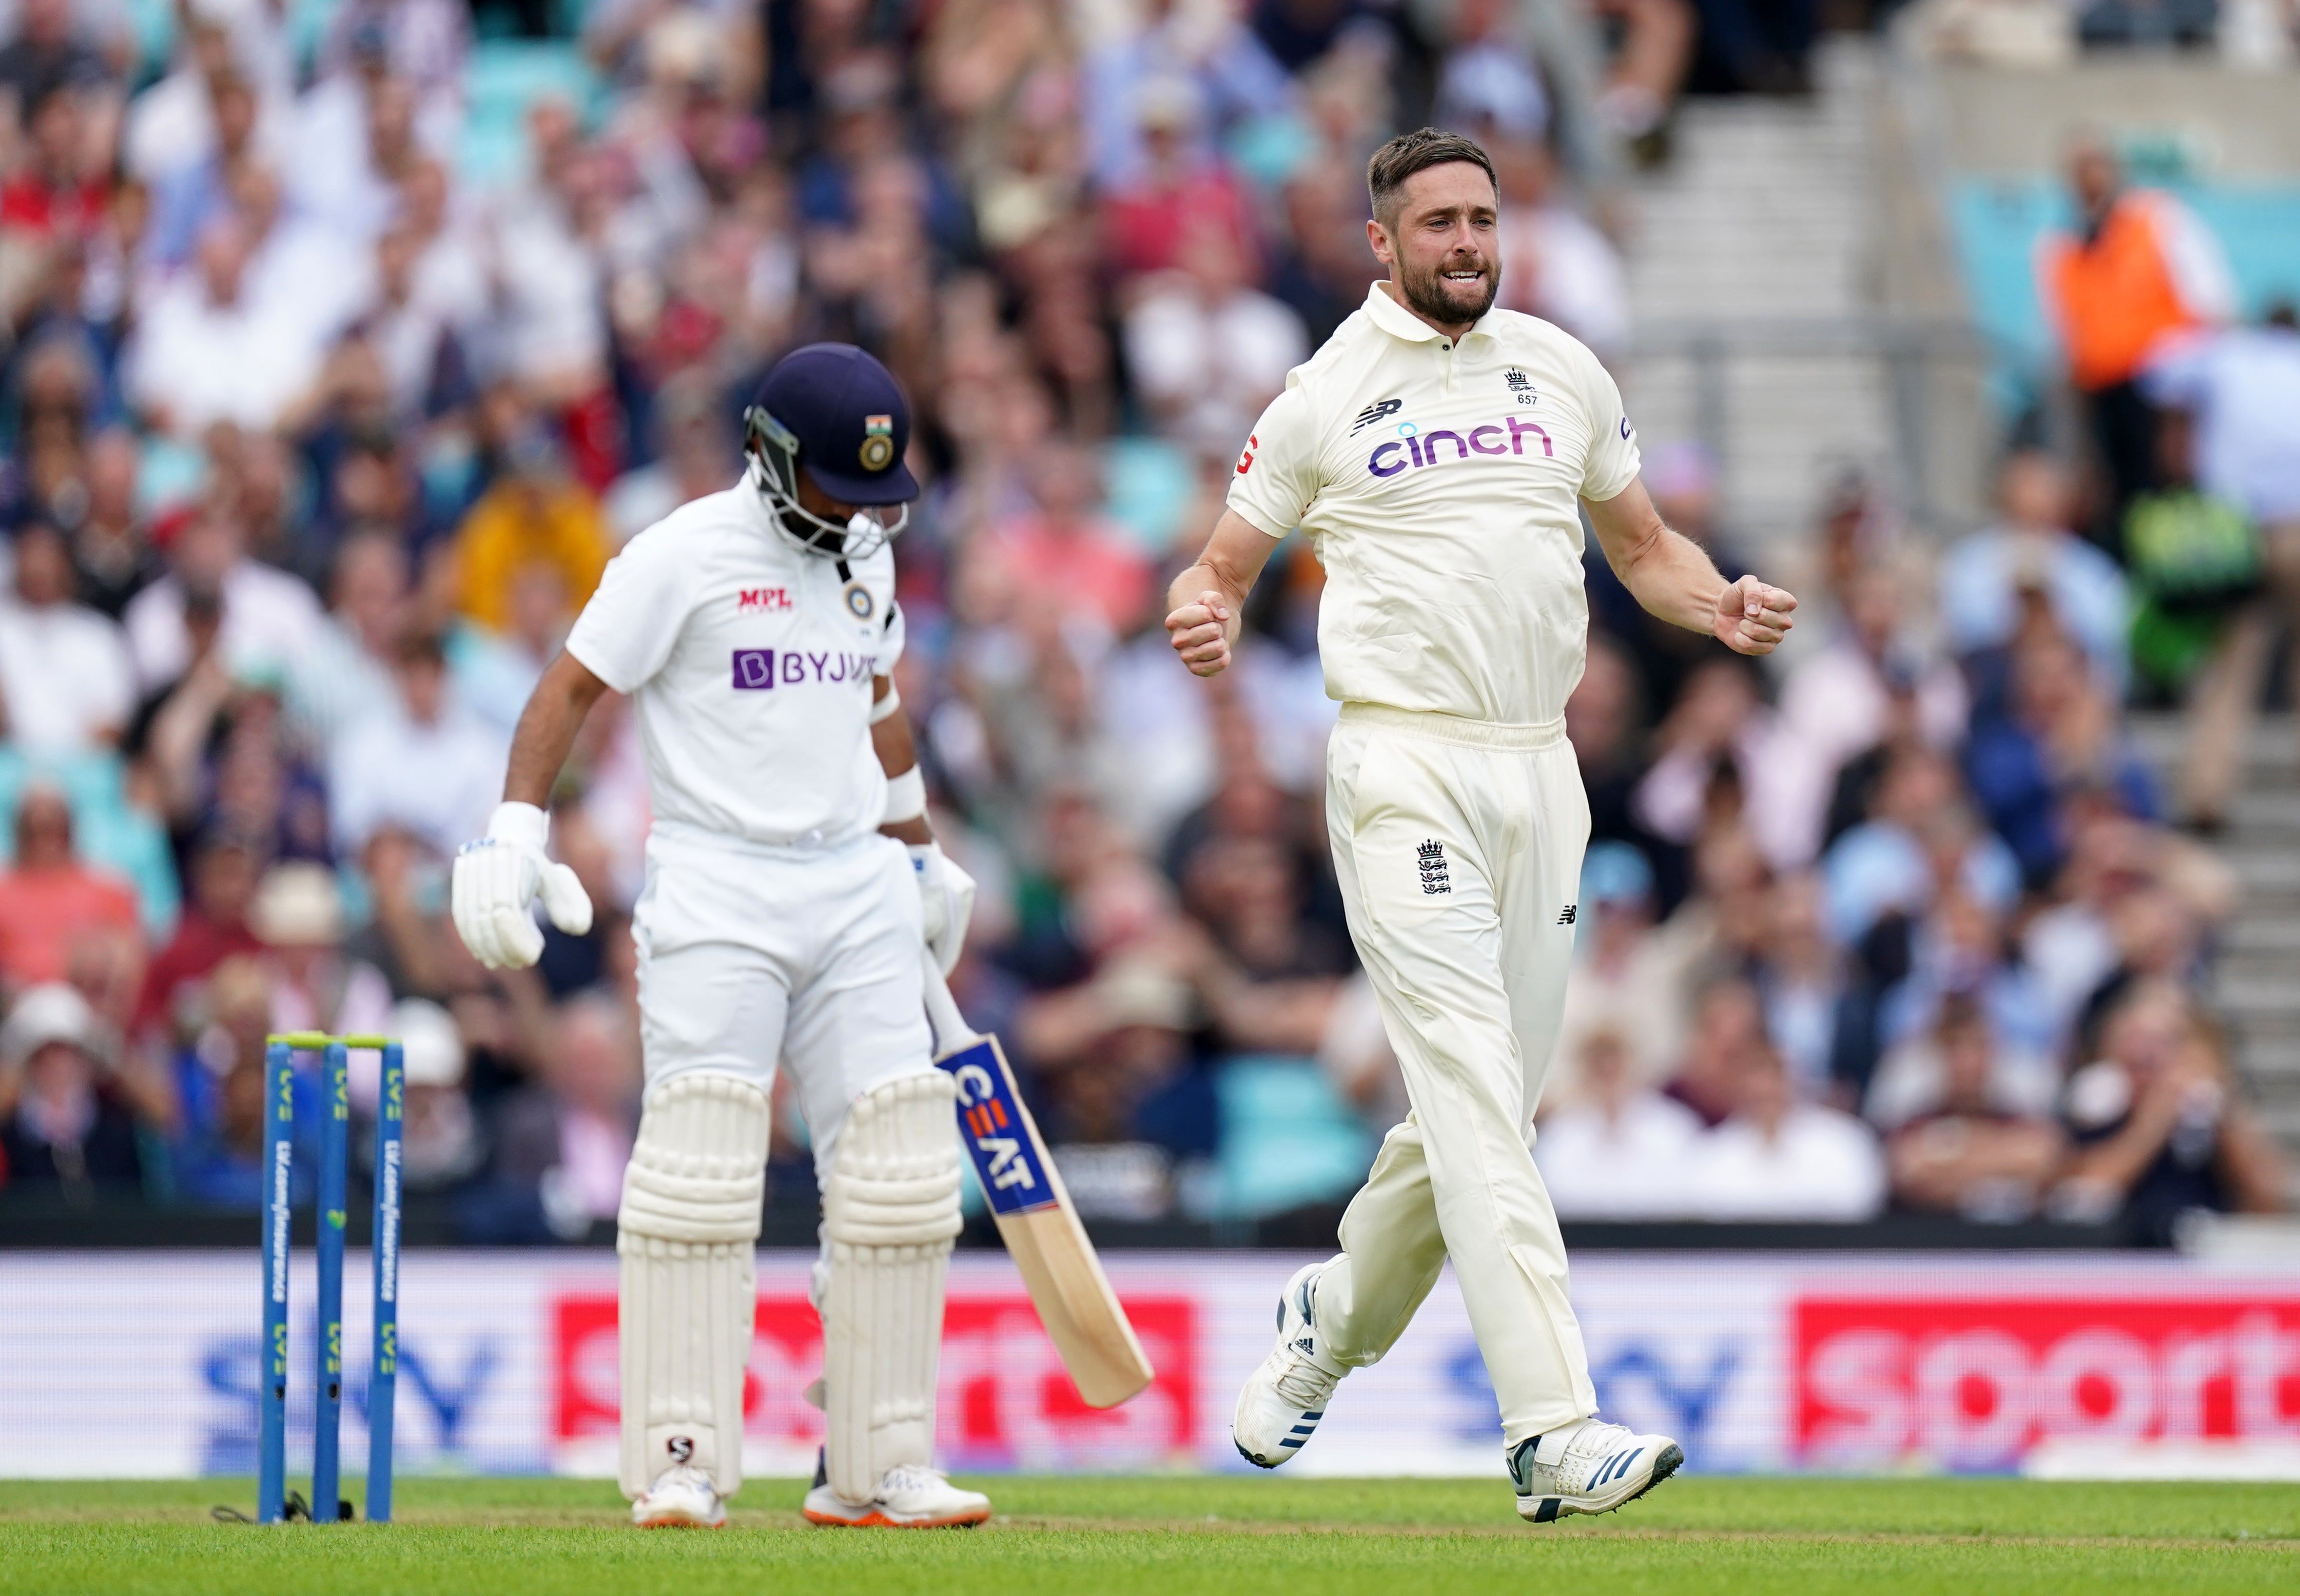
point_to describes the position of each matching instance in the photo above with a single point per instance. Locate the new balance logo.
(1376, 412)
(1429, 858)
(1565, 916)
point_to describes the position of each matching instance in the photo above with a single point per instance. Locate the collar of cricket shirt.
(1398, 322)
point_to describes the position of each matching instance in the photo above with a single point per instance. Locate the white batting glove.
(496, 884)
(947, 896)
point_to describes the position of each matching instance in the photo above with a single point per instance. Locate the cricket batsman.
(793, 891)
(1440, 455)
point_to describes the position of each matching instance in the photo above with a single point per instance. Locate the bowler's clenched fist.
(1752, 617)
(1200, 633)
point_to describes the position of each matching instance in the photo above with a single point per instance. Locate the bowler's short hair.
(1418, 151)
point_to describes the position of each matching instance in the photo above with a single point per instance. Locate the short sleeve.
(1612, 463)
(631, 623)
(1276, 480)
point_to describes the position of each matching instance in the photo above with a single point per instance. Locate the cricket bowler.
(793, 891)
(1440, 453)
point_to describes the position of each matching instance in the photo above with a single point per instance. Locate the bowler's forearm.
(546, 734)
(1671, 576)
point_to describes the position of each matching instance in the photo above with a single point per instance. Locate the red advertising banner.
(1005, 1400)
(1973, 1382)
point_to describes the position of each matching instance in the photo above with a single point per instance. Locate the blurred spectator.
(1066, 554)
(567, 1140)
(2197, 565)
(425, 763)
(298, 916)
(112, 558)
(224, 869)
(262, 617)
(2158, 1127)
(215, 1155)
(1179, 194)
(346, 675)
(1682, 479)
(49, 50)
(1625, 980)
(1776, 1158)
(1918, 834)
(1207, 349)
(1965, 1144)
(1622, 1149)
(1200, 55)
(535, 513)
(61, 1124)
(52, 197)
(208, 349)
(1726, 1029)
(2062, 738)
(1984, 575)
(2139, 269)
(1754, 46)
(54, 909)
(66, 684)
(440, 1139)
(1556, 264)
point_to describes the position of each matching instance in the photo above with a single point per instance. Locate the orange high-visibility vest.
(2115, 299)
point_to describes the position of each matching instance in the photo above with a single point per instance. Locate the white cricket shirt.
(1438, 482)
(750, 665)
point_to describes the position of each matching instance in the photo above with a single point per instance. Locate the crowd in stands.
(343, 356)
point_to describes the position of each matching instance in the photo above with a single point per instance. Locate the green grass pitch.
(1223, 1536)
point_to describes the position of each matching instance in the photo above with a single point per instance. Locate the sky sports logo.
(1413, 446)
(756, 670)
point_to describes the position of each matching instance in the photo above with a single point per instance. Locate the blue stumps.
(278, 1179)
(328, 1353)
(391, 1111)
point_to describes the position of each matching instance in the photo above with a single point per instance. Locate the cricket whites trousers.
(1458, 844)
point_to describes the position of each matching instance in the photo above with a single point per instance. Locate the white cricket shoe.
(682, 1497)
(1283, 1400)
(910, 1497)
(1588, 1468)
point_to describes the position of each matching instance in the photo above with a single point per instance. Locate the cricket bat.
(1034, 1216)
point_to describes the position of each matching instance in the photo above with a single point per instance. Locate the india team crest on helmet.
(877, 448)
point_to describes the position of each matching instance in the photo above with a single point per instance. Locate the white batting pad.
(689, 1218)
(891, 1213)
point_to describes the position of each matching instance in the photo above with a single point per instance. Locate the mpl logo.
(1004, 1400)
(762, 600)
(1973, 1382)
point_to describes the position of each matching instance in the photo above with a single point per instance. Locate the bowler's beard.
(1427, 293)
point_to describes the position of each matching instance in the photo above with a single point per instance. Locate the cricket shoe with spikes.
(1588, 1468)
(682, 1497)
(910, 1497)
(1283, 1400)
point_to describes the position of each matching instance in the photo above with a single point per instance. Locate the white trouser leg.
(689, 1218)
(1471, 982)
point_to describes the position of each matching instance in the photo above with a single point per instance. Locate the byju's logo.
(1413, 447)
(759, 669)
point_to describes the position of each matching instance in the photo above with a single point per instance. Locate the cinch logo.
(1415, 448)
(759, 669)
(763, 598)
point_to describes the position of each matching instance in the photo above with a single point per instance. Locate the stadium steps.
(2253, 981)
(1766, 213)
